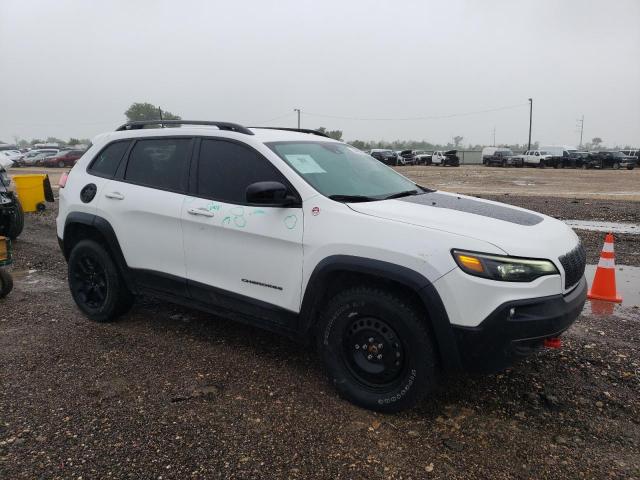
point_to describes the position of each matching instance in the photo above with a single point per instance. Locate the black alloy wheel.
(90, 281)
(96, 284)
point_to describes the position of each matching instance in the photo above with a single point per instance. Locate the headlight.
(506, 269)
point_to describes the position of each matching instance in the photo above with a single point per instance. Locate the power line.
(275, 118)
(430, 117)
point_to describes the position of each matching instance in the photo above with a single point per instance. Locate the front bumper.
(507, 335)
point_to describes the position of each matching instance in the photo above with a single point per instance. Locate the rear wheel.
(616, 166)
(377, 350)
(61, 164)
(96, 285)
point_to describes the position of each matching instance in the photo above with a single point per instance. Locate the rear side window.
(107, 161)
(226, 169)
(159, 163)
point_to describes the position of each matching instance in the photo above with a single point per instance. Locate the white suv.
(312, 238)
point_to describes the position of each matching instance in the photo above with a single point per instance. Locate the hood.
(513, 230)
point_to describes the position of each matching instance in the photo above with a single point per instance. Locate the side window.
(107, 161)
(226, 169)
(159, 163)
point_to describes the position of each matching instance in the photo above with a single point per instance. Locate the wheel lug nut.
(370, 339)
(380, 346)
(369, 357)
(398, 354)
(357, 346)
(379, 356)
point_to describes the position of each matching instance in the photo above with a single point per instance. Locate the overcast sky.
(71, 68)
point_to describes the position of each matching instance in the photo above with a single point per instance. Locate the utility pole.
(530, 119)
(298, 111)
(581, 121)
(494, 135)
(160, 112)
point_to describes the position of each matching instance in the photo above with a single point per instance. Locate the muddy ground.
(169, 392)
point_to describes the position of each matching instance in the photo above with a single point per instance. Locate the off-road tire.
(16, 224)
(117, 299)
(364, 308)
(6, 283)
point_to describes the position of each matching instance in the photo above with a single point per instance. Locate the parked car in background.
(560, 155)
(500, 156)
(579, 159)
(35, 157)
(406, 157)
(422, 157)
(13, 155)
(536, 158)
(615, 160)
(64, 158)
(6, 159)
(448, 158)
(388, 157)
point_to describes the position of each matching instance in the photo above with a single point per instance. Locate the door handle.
(114, 195)
(200, 211)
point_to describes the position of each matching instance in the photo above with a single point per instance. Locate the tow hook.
(553, 342)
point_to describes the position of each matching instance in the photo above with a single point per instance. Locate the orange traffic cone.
(604, 282)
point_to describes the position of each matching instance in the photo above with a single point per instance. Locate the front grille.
(573, 264)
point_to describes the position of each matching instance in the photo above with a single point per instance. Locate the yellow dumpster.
(33, 190)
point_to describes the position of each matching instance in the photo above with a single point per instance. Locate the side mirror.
(270, 194)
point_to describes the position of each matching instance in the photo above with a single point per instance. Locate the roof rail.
(231, 127)
(301, 130)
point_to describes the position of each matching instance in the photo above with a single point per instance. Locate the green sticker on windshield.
(304, 163)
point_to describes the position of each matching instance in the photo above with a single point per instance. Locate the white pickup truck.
(536, 158)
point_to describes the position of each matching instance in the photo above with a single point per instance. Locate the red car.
(65, 158)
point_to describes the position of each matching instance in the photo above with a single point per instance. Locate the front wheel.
(377, 350)
(616, 166)
(96, 285)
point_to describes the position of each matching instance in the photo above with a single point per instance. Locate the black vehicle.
(615, 160)
(502, 157)
(388, 157)
(11, 214)
(451, 158)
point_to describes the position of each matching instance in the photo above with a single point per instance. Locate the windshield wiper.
(352, 198)
(406, 193)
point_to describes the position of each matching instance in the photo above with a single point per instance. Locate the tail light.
(63, 180)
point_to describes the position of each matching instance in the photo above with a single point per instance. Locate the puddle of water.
(597, 226)
(628, 285)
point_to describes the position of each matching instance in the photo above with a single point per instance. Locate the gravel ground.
(169, 392)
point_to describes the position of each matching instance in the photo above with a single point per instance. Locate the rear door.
(239, 255)
(143, 204)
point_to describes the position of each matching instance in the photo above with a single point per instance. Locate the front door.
(239, 255)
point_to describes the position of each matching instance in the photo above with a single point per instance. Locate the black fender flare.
(104, 228)
(445, 337)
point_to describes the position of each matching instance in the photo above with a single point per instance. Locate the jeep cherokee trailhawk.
(310, 237)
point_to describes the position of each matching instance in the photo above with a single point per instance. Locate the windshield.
(506, 153)
(337, 169)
